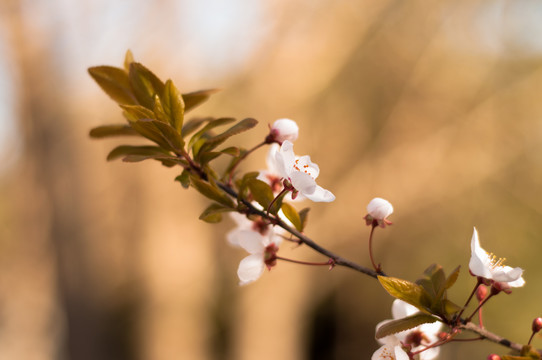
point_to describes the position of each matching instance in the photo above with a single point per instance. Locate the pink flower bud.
(493, 357)
(282, 130)
(537, 325)
(481, 292)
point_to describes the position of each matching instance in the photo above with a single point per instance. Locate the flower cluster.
(286, 173)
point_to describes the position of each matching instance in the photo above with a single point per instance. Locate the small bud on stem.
(536, 327)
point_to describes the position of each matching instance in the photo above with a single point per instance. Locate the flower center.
(261, 226)
(495, 262)
(387, 355)
(270, 255)
(415, 338)
(305, 168)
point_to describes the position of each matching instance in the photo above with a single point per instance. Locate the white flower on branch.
(488, 266)
(262, 254)
(272, 176)
(378, 211)
(416, 338)
(301, 174)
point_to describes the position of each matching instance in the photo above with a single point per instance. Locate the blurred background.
(434, 106)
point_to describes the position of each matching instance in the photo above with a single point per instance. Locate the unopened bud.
(493, 357)
(282, 130)
(379, 210)
(481, 292)
(537, 325)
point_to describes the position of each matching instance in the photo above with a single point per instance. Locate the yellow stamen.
(495, 262)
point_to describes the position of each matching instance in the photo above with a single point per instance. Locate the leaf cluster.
(428, 294)
(156, 110)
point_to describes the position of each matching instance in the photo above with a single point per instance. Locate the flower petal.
(233, 237)
(429, 354)
(479, 263)
(250, 269)
(321, 195)
(271, 158)
(285, 159)
(507, 274)
(401, 309)
(379, 208)
(251, 241)
(517, 283)
(303, 183)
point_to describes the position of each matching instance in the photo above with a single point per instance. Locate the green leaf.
(205, 158)
(147, 129)
(427, 285)
(261, 192)
(211, 192)
(530, 352)
(125, 150)
(193, 99)
(509, 357)
(128, 59)
(112, 130)
(184, 179)
(173, 104)
(114, 82)
(170, 134)
(193, 124)
(144, 84)
(211, 125)
(158, 110)
(243, 184)
(291, 214)
(238, 128)
(452, 278)
(450, 307)
(232, 150)
(213, 213)
(407, 291)
(409, 322)
(137, 112)
(304, 216)
(166, 160)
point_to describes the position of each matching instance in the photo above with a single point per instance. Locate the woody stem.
(330, 262)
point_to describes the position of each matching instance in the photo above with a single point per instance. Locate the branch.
(338, 260)
(491, 336)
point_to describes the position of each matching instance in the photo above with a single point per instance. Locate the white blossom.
(418, 337)
(262, 251)
(488, 266)
(301, 173)
(271, 175)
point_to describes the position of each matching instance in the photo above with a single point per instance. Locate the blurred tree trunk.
(52, 216)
